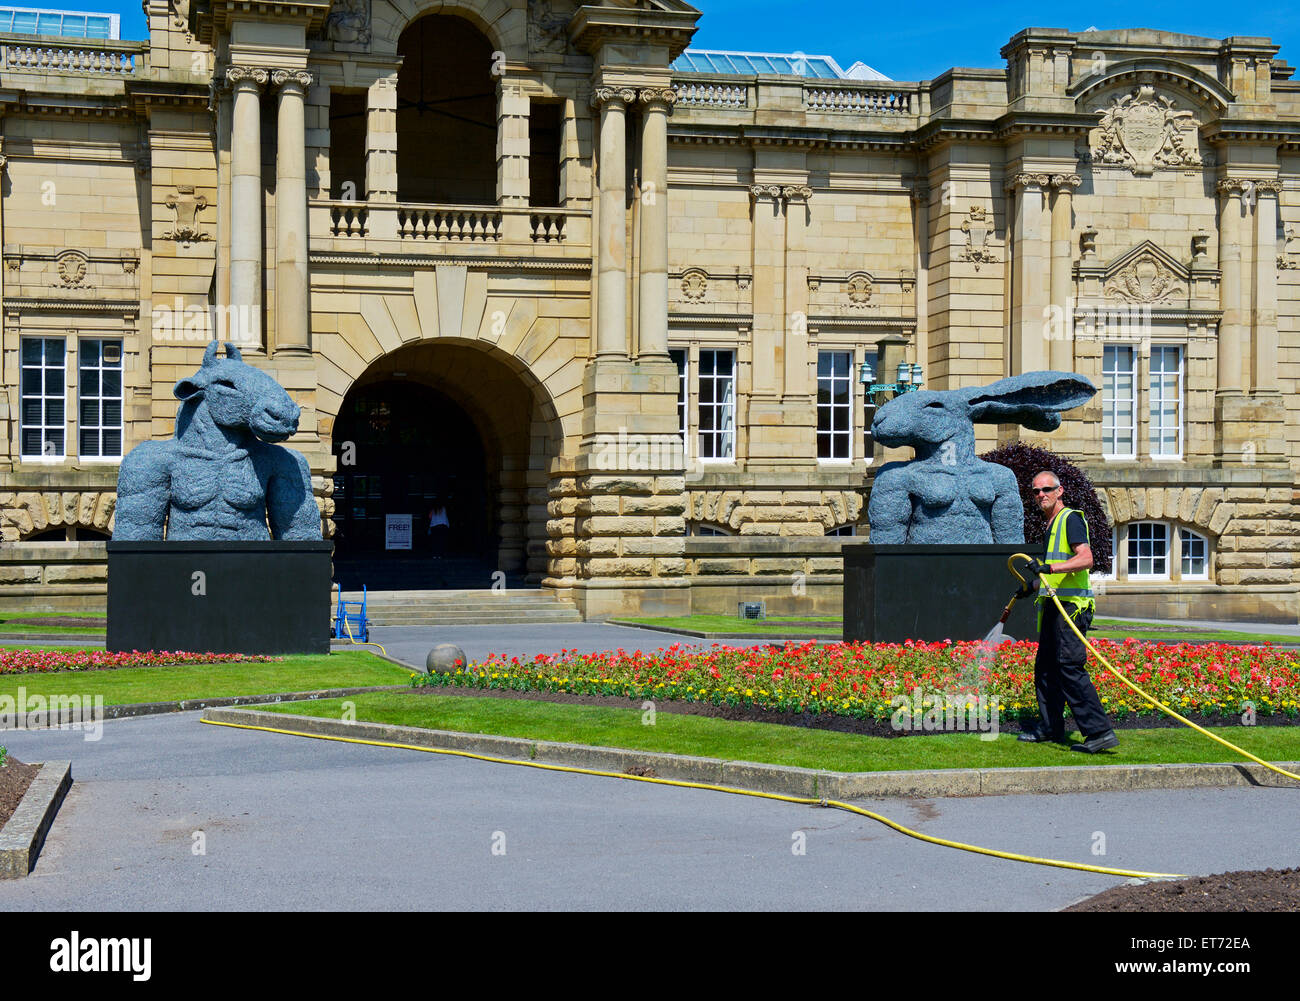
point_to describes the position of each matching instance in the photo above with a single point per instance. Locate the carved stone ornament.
(246, 74)
(606, 95)
(1145, 279)
(1289, 259)
(72, 267)
(978, 228)
(546, 28)
(1143, 130)
(348, 22)
(858, 289)
(780, 192)
(695, 284)
(1200, 245)
(187, 206)
(1088, 242)
(659, 95)
(292, 78)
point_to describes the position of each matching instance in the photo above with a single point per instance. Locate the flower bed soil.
(1247, 890)
(15, 777)
(815, 721)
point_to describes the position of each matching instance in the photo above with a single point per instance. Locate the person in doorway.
(1060, 669)
(439, 529)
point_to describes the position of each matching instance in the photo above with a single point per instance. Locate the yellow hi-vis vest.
(1072, 588)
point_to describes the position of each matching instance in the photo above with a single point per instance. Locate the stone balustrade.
(862, 98)
(345, 221)
(28, 54)
(711, 94)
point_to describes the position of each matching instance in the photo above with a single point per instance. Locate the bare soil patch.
(1246, 890)
(15, 777)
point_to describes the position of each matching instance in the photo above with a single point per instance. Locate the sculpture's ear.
(188, 389)
(233, 352)
(210, 355)
(1034, 400)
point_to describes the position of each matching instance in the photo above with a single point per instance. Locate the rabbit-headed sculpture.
(946, 494)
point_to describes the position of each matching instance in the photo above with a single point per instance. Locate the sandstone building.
(608, 298)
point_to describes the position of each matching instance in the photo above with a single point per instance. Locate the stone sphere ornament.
(946, 495)
(444, 659)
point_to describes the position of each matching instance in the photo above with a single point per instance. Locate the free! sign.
(397, 531)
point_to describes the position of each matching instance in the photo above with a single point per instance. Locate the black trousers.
(1061, 676)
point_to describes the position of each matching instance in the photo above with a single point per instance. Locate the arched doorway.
(441, 421)
(446, 114)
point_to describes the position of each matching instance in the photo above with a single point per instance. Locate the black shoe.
(1099, 743)
(1039, 737)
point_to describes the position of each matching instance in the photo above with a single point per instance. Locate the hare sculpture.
(946, 494)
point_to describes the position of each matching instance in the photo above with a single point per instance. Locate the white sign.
(397, 531)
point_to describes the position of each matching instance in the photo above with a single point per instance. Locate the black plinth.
(223, 597)
(896, 593)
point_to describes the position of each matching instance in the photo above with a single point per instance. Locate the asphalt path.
(293, 823)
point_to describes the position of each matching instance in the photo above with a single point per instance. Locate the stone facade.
(257, 169)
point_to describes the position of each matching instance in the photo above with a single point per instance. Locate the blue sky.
(920, 40)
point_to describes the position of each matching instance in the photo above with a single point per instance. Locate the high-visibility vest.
(1072, 588)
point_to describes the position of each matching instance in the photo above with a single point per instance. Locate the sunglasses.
(1043, 490)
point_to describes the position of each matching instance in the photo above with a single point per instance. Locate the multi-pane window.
(1119, 410)
(679, 358)
(717, 410)
(43, 397)
(1195, 550)
(834, 405)
(1148, 549)
(99, 398)
(844, 530)
(1166, 400)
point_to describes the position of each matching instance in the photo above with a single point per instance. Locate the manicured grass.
(30, 622)
(829, 624)
(782, 745)
(345, 669)
(1156, 632)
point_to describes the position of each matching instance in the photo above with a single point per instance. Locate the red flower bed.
(863, 680)
(38, 661)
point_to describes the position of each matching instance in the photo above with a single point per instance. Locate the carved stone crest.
(695, 284)
(348, 22)
(1290, 256)
(187, 206)
(546, 27)
(72, 266)
(1144, 279)
(977, 228)
(1143, 130)
(858, 289)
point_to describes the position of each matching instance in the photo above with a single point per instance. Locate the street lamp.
(908, 378)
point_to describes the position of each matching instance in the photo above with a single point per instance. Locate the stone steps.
(472, 607)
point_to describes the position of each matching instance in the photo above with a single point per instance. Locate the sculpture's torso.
(219, 496)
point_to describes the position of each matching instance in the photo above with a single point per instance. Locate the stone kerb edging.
(781, 779)
(22, 837)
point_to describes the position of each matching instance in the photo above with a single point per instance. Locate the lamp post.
(908, 379)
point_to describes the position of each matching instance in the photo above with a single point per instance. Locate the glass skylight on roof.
(59, 23)
(770, 63)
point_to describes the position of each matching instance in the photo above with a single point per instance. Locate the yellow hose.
(716, 788)
(348, 626)
(1051, 593)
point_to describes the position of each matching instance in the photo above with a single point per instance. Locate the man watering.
(1060, 672)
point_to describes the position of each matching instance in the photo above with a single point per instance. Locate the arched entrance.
(445, 423)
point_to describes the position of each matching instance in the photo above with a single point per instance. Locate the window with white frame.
(1148, 549)
(717, 406)
(1195, 555)
(99, 398)
(835, 405)
(1166, 401)
(844, 530)
(1119, 406)
(43, 390)
(682, 361)
(869, 409)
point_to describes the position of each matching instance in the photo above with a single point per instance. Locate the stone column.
(794, 380)
(1062, 347)
(768, 290)
(1231, 326)
(920, 195)
(512, 144)
(381, 141)
(1029, 289)
(291, 281)
(1265, 355)
(653, 298)
(611, 260)
(246, 230)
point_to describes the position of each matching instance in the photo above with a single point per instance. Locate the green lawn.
(345, 669)
(781, 745)
(828, 624)
(30, 622)
(1173, 633)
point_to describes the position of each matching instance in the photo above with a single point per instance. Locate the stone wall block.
(723, 566)
(1222, 515)
(619, 568)
(662, 504)
(760, 528)
(662, 545)
(767, 565)
(1120, 505)
(671, 566)
(1155, 505)
(20, 574)
(1138, 502)
(795, 528)
(1266, 577)
(666, 525)
(1207, 504)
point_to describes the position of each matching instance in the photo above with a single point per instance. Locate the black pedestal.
(223, 597)
(896, 593)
